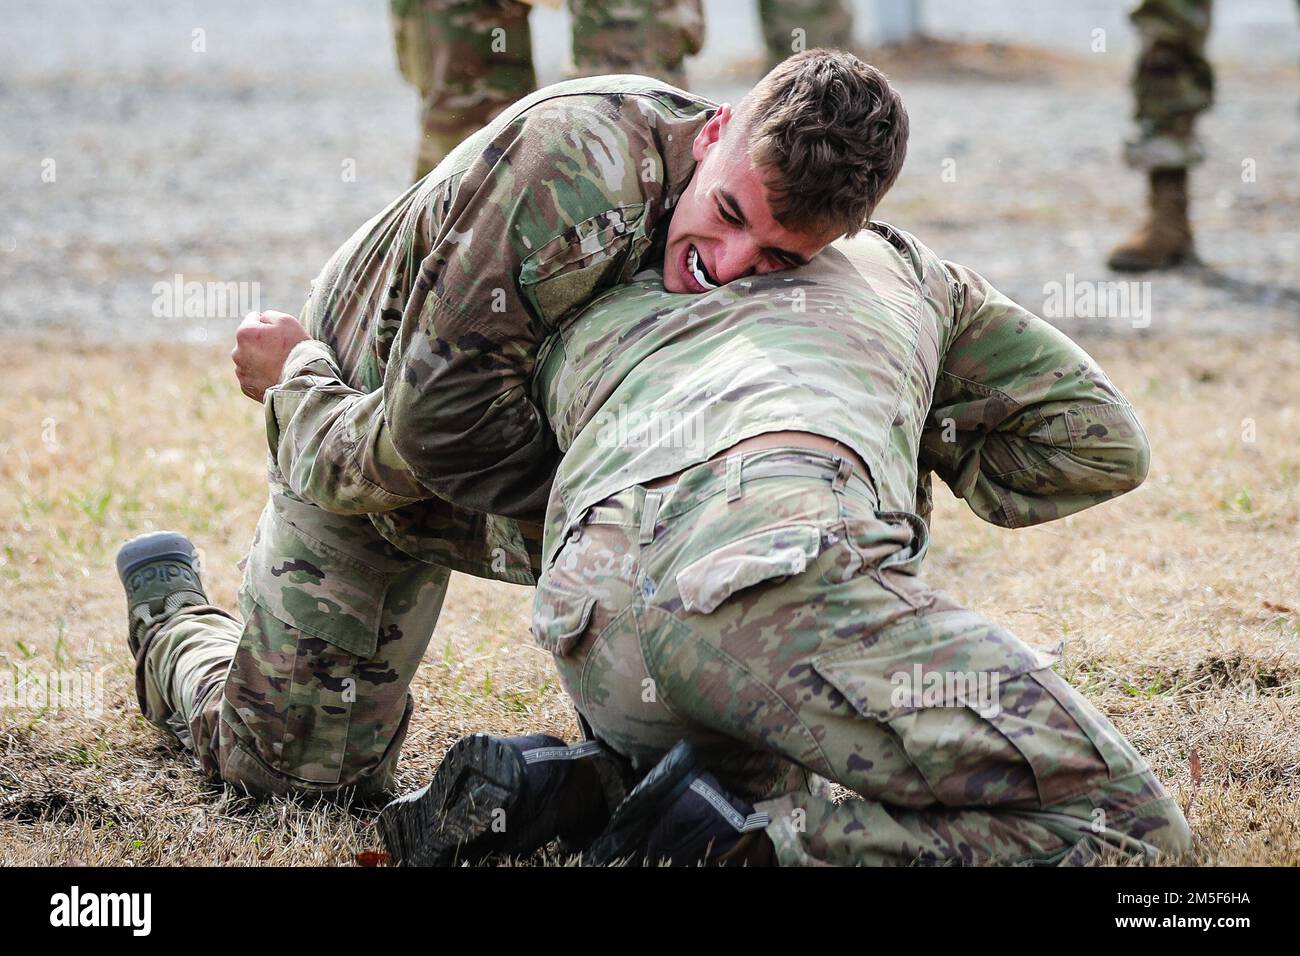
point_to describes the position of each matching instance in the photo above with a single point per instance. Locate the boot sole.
(153, 546)
(1169, 262)
(636, 816)
(451, 820)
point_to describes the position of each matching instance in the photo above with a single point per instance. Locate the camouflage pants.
(472, 58)
(1173, 82)
(791, 26)
(764, 609)
(309, 693)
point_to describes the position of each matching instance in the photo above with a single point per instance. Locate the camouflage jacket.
(913, 362)
(412, 407)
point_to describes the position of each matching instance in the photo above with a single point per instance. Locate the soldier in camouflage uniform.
(1173, 84)
(404, 441)
(470, 59)
(790, 26)
(732, 558)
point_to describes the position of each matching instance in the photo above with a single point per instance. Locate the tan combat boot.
(1165, 239)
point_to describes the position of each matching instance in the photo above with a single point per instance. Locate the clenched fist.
(262, 343)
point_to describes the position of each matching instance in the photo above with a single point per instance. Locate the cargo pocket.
(1121, 759)
(315, 587)
(316, 617)
(587, 257)
(767, 555)
(966, 701)
(559, 618)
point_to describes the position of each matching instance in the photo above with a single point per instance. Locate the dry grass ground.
(1179, 604)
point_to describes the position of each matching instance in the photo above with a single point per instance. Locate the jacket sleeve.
(1024, 424)
(551, 211)
(329, 441)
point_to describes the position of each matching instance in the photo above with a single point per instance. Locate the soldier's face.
(722, 227)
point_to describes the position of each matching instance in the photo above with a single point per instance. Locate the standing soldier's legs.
(791, 26)
(468, 58)
(771, 618)
(309, 693)
(1173, 83)
(650, 37)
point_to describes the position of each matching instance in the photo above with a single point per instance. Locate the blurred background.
(241, 142)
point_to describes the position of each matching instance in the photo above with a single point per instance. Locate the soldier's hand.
(262, 342)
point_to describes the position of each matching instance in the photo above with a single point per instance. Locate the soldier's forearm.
(1080, 456)
(331, 442)
(1046, 461)
(1025, 425)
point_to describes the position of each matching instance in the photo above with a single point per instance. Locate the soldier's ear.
(711, 132)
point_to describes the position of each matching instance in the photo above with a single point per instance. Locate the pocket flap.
(559, 618)
(952, 658)
(570, 269)
(776, 553)
(314, 588)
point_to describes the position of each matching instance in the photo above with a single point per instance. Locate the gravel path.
(251, 161)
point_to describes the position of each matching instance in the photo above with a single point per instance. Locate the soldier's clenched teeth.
(697, 269)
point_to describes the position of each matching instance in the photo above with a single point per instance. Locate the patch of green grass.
(524, 702)
(1287, 626)
(94, 505)
(85, 755)
(1154, 689)
(1240, 503)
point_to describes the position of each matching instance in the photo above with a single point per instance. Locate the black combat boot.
(679, 815)
(509, 795)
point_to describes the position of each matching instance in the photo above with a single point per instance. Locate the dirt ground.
(1179, 604)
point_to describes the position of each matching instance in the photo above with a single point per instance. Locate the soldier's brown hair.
(829, 135)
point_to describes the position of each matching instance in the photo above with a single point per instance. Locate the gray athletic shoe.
(160, 573)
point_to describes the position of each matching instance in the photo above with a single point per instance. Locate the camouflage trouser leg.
(791, 26)
(310, 692)
(650, 37)
(1173, 82)
(468, 58)
(765, 610)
